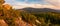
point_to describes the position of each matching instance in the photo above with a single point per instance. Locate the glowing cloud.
(55, 4)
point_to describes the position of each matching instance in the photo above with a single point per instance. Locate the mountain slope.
(29, 9)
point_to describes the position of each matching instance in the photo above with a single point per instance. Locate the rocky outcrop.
(20, 22)
(3, 23)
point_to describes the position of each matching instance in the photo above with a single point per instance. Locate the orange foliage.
(7, 6)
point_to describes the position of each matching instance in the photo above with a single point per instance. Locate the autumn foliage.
(14, 17)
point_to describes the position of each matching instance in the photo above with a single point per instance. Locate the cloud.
(21, 5)
(54, 4)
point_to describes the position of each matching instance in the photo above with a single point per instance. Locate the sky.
(18, 4)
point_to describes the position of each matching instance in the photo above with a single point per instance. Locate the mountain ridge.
(29, 9)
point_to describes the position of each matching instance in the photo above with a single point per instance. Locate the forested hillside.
(14, 17)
